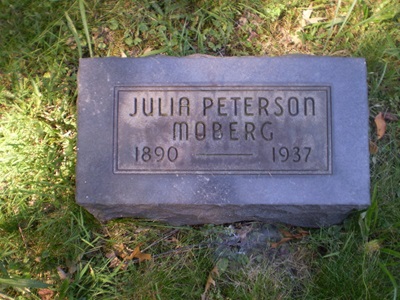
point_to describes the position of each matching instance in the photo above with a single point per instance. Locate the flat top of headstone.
(237, 130)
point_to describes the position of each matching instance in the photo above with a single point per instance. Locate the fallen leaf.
(136, 253)
(114, 260)
(373, 148)
(286, 233)
(289, 236)
(300, 234)
(242, 21)
(120, 250)
(380, 125)
(46, 294)
(210, 281)
(111, 255)
(174, 240)
(252, 36)
(303, 232)
(307, 17)
(282, 241)
(147, 51)
(315, 20)
(115, 263)
(295, 37)
(61, 273)
(390, 117)
(243, 232)
(307, 13)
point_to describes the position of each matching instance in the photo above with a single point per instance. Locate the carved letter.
(184, 105)
(221, 105)
(182, 128)
(263, 133)
(235, 99)
(150, 113)
(311, 99)
(280, 113)
(249, 129)
(247, 105)
(296, 106)
(262, 107)
(160, 113)
(200, 133)
(135, 109)
(217, 131)
(205, 105)
(233, 131)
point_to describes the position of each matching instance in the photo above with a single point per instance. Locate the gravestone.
(217, 140)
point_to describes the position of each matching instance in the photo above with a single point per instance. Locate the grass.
(50, 245)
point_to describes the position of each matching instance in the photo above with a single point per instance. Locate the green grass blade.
(381, 78)
(391, 252)
(347, 16)
(22, 283)
(85, 26)
(332, 24)
(392, 280)
(372, 213)
(154, 52)
(71, 27)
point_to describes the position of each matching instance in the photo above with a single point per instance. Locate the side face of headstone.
(216, 140)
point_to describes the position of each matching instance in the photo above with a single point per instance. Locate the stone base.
(304, 216)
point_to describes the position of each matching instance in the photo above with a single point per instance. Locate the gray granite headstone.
(215, 140)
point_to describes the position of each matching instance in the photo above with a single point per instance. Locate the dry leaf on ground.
(210, 281)
(114, 260)
(62, 274)
(286, 233)
(46, 294)
(303, 232)
(174, 240)
(289, 236)
(136, 253)
(147, 51)
(297, 235)
(242, 21)
(253, 35)
(380, 125)
(120, 250)
(282, 241)
(373, 148)
(306, 20)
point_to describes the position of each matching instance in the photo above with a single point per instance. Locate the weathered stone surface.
(215, 140)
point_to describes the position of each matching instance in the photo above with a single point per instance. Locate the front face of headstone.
(215, 140)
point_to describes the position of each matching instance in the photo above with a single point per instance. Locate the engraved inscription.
(222, 130)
